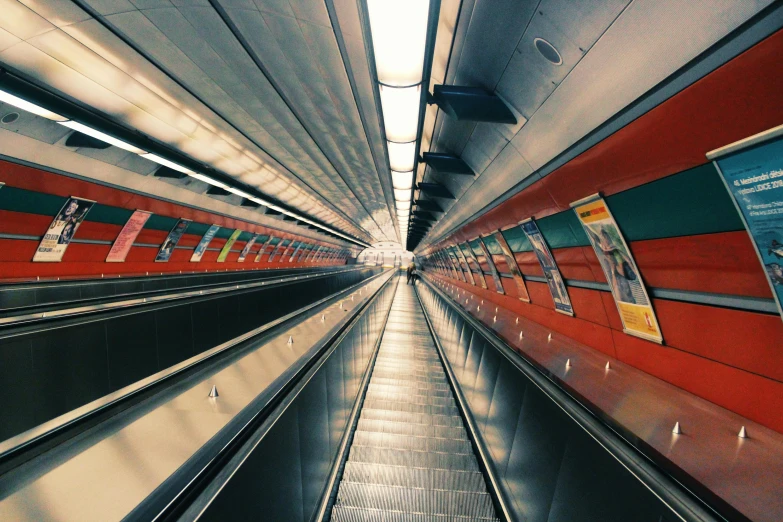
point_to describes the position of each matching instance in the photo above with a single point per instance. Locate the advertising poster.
(302, 253)
(296, 250)
(204, 243)
(753, 173)
(278, 249)
(511, 261)
(492, 268)
(262, 250)
(128, 234)
(554, 279)
(61, 231)
(455, 263)
(314, 252)
(167, 248)
(620, 269)
(247, 247)
(467, 251)
(287, 250)
(464, 262)
(227, 247)
(447, 266)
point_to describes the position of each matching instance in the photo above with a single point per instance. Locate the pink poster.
(128, 234)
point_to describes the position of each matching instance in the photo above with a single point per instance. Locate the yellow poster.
(622, 274)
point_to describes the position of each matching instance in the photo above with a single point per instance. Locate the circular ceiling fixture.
(548, 51)
(10, 118)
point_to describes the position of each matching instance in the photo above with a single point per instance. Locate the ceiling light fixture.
(32, 108)
(111, 140)
(399, 41)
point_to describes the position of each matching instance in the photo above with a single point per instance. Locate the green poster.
(227, 247)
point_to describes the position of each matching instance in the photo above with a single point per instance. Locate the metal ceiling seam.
(276, 115)
(216, 4)
(118, 34)
(381, 168)
(767, 21)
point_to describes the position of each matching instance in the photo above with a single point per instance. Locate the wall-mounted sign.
(493, 270)
(262, 250)
(619, 267)
(61, 231)
(168, 246)
(752, 170)
(511, 261)
(467, 251)
(126, 237)
(198, 253)
(247, 247)
(554, 279)
(227, 247)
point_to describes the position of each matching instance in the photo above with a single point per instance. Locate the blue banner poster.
(752, 170)
(554, 280)
(167, 248)
(204, 243)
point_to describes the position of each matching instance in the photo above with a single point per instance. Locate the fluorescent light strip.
(98, 135)
(170, 164)
(10, 99)
(32, 108)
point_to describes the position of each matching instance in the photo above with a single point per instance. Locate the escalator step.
(431, 501)
(351, 514)
(407, 442)
(416, 418)
(411, 408)
(414, 477)
(415, 430)
(411, 458)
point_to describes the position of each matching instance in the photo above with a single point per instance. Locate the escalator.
(411, 459)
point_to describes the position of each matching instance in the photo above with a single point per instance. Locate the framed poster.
(287, 250)
(168, 246)
(455, 263)
(198, 253)
(62, 229)
(126, 237)
(227, 247)
(467, 251)
(314, 252)
(262, 250)
(495, 275)
(280, 245)
(246, 249)
(622, 274)
(304, 250)
(752, 170)
(511, 261)
(293, 256)
(463, 260)
(554, 279)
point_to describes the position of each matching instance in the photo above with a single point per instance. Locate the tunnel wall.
(32, 197)
(683, 231)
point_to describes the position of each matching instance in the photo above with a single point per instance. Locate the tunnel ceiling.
(280, 94)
